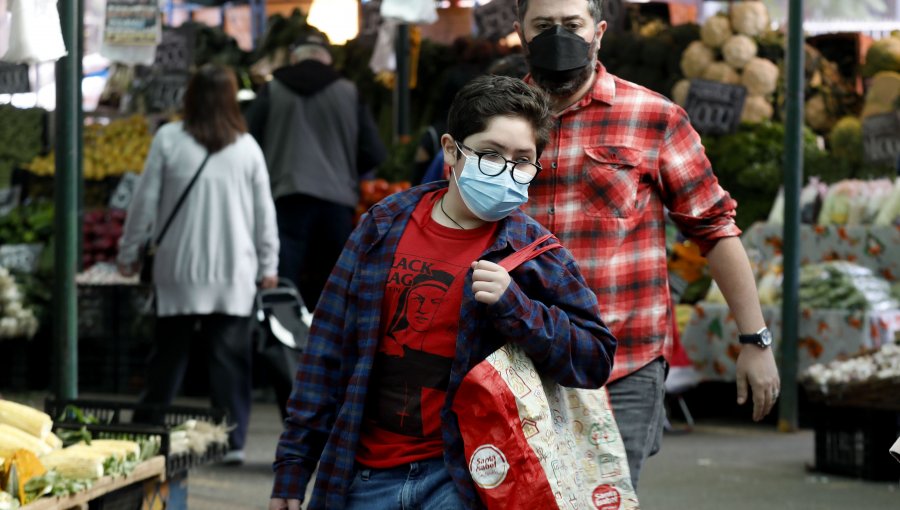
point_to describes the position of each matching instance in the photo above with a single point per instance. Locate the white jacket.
(222, 240)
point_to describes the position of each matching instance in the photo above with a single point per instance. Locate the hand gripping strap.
(529, 252)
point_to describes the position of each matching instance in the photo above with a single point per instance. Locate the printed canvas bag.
(531, 443)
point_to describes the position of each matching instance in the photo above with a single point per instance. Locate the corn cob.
(12, 439)
(117, 448)
(35, 422)
(75, 466)
(53, 441)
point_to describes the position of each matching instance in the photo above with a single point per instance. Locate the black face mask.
(556, 50)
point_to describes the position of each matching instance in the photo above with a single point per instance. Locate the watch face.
(765, 337)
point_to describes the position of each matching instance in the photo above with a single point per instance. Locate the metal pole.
(401, 87)
(68, 157)
(793, 178)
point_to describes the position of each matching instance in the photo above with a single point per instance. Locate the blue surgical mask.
(489, 198)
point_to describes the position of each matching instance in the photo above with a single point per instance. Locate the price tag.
(176, 50)
(21, 257)
(14, 78)
(121, 197)
(166, 91)
(495, 20)
(132, 22)
(715, 108)
(881, 138)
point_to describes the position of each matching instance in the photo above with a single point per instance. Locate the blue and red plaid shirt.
(548, 309)
(617, 160)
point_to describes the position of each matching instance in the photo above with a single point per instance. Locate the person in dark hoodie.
(318, 137)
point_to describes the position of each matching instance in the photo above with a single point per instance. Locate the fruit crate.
(855, 442)
(117, 420)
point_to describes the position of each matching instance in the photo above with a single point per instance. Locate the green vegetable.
(883, 55)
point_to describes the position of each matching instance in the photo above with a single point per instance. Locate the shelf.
(154, 468)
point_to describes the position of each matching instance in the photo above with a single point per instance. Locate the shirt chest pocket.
(612, 180)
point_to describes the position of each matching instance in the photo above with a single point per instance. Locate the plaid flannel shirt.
(547, 309)
(617, 159)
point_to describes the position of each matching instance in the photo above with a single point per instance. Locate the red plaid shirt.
(617, 159)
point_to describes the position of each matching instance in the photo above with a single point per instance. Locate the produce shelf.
(149, 470)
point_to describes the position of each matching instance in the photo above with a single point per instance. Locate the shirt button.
(553, 165)
(552, 210)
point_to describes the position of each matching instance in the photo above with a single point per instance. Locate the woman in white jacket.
(221, 244)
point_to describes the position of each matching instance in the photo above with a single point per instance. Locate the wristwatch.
(762, 338)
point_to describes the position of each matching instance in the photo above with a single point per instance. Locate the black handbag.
(148, 251)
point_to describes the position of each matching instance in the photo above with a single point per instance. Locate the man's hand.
(269, 282)
(284, 504)
(756, 367)
(489, 281)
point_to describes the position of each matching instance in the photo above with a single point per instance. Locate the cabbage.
(756, 109)
(722, 73)
(738, 50)
(695, 59)
(715, 31)
(749, 18)
(760, 76)
(680, 92)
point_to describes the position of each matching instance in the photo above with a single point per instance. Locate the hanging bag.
(35, 34)
(531, 443)
(148, 251)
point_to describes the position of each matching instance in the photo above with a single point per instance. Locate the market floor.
(714, 467)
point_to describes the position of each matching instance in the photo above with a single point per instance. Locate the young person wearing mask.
(619, 156)
(416, 300)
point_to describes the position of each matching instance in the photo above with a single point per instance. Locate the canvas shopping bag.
(531, 443)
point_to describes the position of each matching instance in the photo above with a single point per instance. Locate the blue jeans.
(423, 485)
(637, 403)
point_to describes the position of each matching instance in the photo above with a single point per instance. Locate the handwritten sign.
(175, 51)
(132, 22)
(881, 138)
(14, 78)
(124, 192)
(21, 257)
(165, 92)
(715, 108)
(495, 20)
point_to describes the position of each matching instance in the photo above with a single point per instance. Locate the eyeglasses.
(493, 164)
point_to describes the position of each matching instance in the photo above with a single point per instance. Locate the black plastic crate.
(117, 422)
(855, 442)
(126, 498)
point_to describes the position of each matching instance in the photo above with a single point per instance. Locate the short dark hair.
(595, 7)
(211, 112)
(490, 96)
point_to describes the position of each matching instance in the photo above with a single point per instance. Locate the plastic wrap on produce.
(845, 286)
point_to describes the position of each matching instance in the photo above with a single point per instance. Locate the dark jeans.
(424, 484)
(637, 403)
(229, 347)
(313, 233)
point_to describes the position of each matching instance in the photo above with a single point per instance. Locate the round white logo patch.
(488, 466)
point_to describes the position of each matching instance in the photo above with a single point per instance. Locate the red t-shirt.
(419, 323)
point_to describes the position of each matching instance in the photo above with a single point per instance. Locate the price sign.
(132, 22)
(176, 50)
(14, 78)
(21, 257)
(715, 108)
(495, 20)
(165, 92)
(881, 138)
(121, 197)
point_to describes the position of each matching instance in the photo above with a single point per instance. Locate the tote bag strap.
(529, 252)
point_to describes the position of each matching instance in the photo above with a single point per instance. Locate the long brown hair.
(211, 112)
